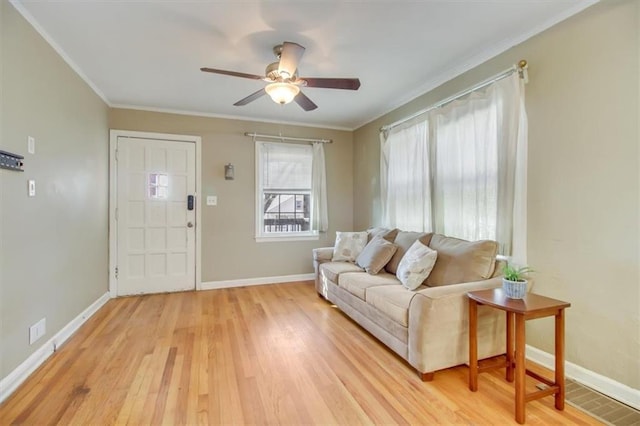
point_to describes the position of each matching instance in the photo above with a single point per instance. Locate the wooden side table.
(531, 307)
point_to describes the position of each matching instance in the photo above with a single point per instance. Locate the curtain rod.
(287, 138)
(520, 67)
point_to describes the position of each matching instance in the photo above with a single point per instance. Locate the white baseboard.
(598, 382)
(213, 285)
(14, 379)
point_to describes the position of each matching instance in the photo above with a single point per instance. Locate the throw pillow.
(416, 265)
(375, 255)
(348, 245)
(404, 240)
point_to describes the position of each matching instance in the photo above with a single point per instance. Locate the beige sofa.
(427, 327)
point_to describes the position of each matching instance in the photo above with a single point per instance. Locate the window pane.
(281, 213)
(284, 188)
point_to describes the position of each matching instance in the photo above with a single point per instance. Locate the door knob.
(189, 225)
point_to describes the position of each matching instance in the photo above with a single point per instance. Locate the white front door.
(155, 223)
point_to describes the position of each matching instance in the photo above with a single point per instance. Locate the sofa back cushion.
(461, 261)
(375, 255)
(404, 240)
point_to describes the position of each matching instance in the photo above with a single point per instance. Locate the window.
(460, 169)
(284, 182)
(158, 186)
(467, 171)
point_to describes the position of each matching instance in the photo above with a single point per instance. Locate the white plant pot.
(514, 289)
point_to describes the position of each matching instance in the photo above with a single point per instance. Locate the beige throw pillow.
(375, 255)
(416, 265)
(348, 245)
(461, 261)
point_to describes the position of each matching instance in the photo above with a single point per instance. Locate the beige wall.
(583, 192)
(53, 250)
(229, 250)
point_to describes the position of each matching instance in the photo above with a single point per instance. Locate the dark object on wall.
(11, 161)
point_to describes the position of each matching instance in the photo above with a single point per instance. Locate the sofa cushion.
(404, 240)
(416, 265)
(386, 233)
(331, 270)
(392, 300)
(356, 282)
(461, 261)
(375, 255)
(349, 245)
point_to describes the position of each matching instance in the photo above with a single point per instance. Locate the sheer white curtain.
(465, 177)
(481, 145)
(319, 214)
(405, 177)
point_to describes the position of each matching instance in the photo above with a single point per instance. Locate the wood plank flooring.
(273, 354)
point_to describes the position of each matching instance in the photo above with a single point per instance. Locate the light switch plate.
(32, 188)
(31, 145)
(212, 200)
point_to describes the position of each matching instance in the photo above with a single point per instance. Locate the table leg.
(559, 343)
(509, 346)
(473, 345)
(520, 369)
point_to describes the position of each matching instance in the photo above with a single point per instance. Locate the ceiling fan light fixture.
(282, 93)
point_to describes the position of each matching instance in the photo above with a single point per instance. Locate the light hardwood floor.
(273, 354)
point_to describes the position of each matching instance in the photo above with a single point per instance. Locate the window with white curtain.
(285, 182)
(460, 170)
(406, 178)
(467, 171)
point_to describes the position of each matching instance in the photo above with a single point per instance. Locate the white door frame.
(113, 192)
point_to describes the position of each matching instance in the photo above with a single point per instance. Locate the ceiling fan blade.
(289, 58)
(252, 97)
(232, 73)
(306, 103)
(333, 83)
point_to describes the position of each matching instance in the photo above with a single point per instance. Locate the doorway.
(154, 213)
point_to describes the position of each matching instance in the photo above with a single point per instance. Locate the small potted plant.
(514, 281)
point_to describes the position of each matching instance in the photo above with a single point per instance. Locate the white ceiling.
(148, 54)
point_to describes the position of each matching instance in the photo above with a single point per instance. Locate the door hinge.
(116, 272)
(116, 213)
(116, 155)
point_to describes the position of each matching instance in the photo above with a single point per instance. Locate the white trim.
(113, 229)
(14, 379)
(230, 117)
(616, 390)
(286, 237)
(247, 282)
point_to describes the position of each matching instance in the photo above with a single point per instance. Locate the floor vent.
(603, 408)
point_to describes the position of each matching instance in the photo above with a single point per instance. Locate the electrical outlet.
(212, 200)
(37, 330)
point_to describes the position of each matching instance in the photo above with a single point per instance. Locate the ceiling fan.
(284, 83)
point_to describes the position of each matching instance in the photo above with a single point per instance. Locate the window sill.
(286, 237)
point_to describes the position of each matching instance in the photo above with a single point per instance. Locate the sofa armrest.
(439, 321)
(323, 254)
(460, 289)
